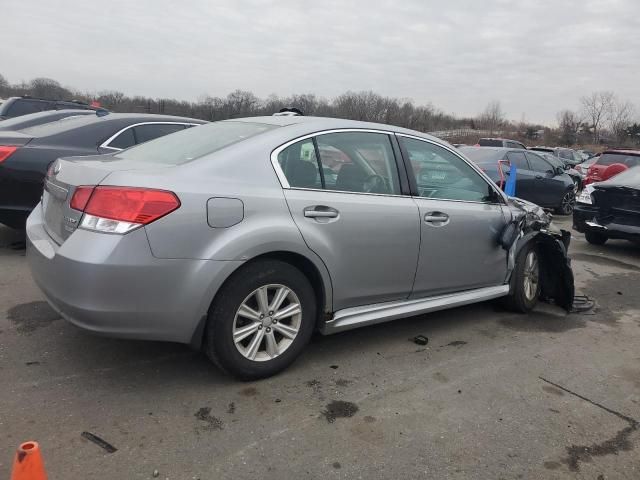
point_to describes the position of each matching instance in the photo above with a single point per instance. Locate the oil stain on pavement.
(339, 409)
(29, 317)
(209, 421)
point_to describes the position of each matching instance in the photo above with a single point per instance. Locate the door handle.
(538, 177)
(320, 212)
(436, 218)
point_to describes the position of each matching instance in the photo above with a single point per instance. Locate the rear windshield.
(187, 145)
(629, 177)
(490, 142)
(625, 159)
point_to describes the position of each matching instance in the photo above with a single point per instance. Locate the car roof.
(623, 151)
(327, 123)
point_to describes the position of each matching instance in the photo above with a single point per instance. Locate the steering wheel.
(374, 184)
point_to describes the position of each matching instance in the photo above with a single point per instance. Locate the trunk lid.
(64, 176)
(14, 138)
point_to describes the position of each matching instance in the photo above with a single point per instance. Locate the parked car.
(18, 106)
(610, 209)
(26, 155)
(40, 118)
(537, 180)
(226, 237)
(610, 163)
(500, 142)
(569, 156)
(585, 154)
(576, 176)
(583, 167)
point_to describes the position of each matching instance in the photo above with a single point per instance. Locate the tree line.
(602, 116)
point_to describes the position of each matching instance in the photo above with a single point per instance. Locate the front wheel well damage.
(556, 275)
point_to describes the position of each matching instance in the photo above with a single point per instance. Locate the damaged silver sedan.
(243, 237)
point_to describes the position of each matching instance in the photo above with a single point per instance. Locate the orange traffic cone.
(28, 464)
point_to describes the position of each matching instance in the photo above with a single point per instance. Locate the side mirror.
(560, 170)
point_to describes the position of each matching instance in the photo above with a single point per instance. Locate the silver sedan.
(243, 237)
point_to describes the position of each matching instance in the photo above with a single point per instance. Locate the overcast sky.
(535, 56)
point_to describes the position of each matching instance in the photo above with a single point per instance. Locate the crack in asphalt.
(620, 442)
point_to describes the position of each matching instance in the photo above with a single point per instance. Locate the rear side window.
(300, 165)
(518, 159)
(194, 143)
(24, 107)
(124, 140)
(144, 133)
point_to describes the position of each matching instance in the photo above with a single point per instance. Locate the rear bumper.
(112, 285)
(585, 219)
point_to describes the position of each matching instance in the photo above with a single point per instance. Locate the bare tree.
(569, 123)
(48, 88)
(620, 118)
(4, 85)
(596, 108)
(492, 118)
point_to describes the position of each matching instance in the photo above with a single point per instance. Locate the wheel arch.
(314, 270)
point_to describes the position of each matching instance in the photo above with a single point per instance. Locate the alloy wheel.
(568, 202)
(531, 275)
(267, 322)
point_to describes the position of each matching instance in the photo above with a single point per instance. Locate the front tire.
(595, 238)
(525, 281)
(567, 203)
(261, 320)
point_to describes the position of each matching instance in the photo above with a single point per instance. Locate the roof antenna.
(289, 112)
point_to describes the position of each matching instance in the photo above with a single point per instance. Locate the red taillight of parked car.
(121, 209)
(6, 151)
(81, 197)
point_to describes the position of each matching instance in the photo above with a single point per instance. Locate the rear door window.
(300, 165)
(151, 131)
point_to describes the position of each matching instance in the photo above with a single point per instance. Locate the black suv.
(18, 106)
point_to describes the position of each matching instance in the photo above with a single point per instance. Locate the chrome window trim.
(471, 164)
(106, 143)
(283, 179)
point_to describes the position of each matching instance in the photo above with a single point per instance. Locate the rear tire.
(595, 238)
(525, 281)
(250, 332)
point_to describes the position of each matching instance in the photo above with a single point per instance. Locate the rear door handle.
(436, 218)
(320, 211)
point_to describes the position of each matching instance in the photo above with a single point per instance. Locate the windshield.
(192, 143)
(566, 154)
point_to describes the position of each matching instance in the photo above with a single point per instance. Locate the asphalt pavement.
(492, 395)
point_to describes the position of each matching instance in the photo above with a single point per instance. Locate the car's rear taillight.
(121, 209)
(6, 151)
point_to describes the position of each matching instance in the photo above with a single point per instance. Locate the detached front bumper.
(585, 219)
(112, 285)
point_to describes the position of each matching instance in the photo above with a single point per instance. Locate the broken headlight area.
(530, 223)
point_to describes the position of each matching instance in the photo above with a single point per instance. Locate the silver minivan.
(243, 237)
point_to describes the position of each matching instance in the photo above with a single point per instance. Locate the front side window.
(24, 107)
(441, 174)
(539, 164)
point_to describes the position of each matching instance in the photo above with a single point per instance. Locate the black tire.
(518, 300)
(219, 344)
(567, 203)
(595, 238)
